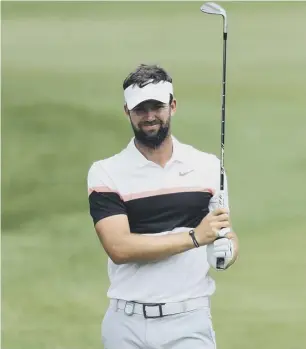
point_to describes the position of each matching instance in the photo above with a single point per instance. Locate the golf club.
(215, 9)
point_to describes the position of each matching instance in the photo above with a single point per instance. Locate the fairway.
(63, 65)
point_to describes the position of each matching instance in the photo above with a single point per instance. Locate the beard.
(155, 139)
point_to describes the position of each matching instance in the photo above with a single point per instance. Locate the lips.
(150, 127)
(150, 123)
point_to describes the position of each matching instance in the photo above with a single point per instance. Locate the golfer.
(154, 207)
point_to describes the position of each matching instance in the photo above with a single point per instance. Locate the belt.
(156, 310)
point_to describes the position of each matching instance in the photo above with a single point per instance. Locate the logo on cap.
(143, 84)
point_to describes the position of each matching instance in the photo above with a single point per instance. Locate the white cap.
(160, 91)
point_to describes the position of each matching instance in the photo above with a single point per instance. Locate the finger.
(230, 236)
(221, 242)
(222, 217)
(220, 225)
(219, 211)
(223, 254)
(223, 248)
(220, 254)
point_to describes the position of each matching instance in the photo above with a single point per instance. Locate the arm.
(122, 246)
(112, 226)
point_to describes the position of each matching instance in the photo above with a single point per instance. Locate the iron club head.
(212, 8)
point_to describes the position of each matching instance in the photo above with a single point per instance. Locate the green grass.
(62, 69)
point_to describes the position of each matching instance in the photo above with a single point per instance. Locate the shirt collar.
(141, 160)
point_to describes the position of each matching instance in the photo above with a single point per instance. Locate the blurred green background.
(62, 70)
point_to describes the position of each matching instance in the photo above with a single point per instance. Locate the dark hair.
(145, 72)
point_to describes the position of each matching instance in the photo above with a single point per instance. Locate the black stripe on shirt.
(102, 205)
(153, 214)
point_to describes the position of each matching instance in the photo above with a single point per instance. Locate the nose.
(150, 115)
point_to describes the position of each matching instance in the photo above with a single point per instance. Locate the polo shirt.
(158, 200)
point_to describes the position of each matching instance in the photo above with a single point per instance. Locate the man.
(154, 207)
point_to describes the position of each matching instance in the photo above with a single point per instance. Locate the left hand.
(222, 247)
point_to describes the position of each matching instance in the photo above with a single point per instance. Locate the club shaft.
(221, 261)
(223, 121)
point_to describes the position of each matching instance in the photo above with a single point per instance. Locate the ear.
(173, 106)
(127, 113)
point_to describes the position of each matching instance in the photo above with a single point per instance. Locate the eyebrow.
(153, 105)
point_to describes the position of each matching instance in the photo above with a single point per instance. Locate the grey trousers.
(187, 330)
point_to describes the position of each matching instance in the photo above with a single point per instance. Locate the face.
(150, 121)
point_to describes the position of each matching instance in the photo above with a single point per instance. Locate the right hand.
(207, 231)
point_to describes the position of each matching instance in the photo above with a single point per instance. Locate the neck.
(160, 155)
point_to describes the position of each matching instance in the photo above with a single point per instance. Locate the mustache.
(150, 123)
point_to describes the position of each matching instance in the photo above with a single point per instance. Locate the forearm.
(123, 246)
(146, 248)
(235, 241)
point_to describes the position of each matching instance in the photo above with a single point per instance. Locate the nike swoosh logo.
(185, 173)
(145, 83)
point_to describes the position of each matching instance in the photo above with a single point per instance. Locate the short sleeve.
(104, 200)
